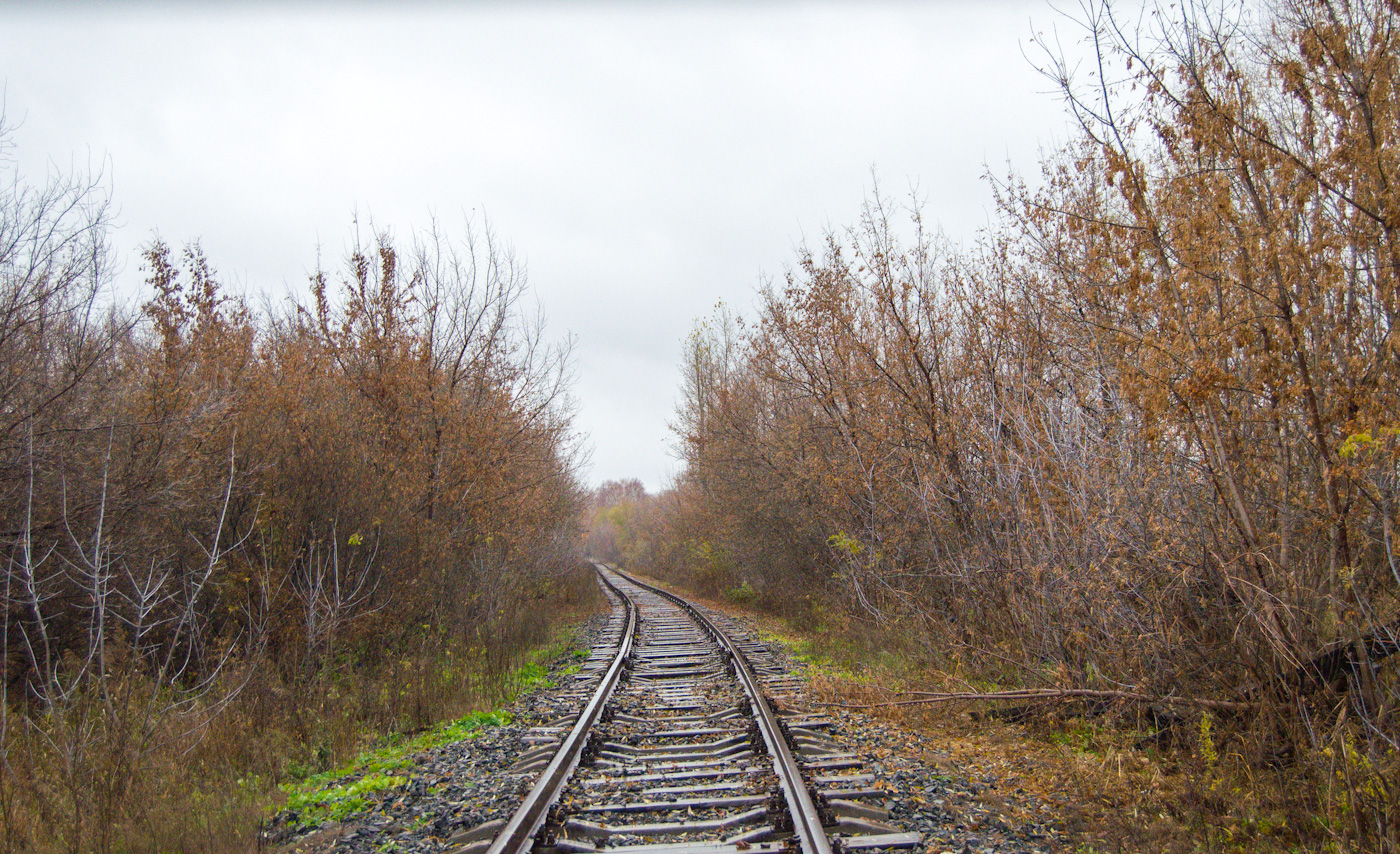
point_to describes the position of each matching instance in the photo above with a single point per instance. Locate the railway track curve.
(684, 744)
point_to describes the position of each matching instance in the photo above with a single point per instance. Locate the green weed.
(744, 594)
(334, 795)
(338, 802)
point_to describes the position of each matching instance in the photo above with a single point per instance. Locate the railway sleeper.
(644, 756)
(691, 774)
(687, 657)
(686, 765)
(853, 794)
(689, 733)
(618, 758)
(732, 786)
(750, 842)
(811, 723)
(830, 779)
(826, 744)
(679, 804)
(678, 720)
(843, 808)
(679, 658)
(595, 830)
(878, 840)
(531, 756)
(833, 763)
(810, 734)
(857, 826)
(715, 748)
(820, 749)
(688, 676)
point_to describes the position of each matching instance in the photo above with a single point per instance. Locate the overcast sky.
(646, 160)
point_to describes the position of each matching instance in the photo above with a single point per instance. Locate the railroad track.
(685, 743)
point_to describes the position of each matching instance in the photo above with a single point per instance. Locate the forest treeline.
(1143, 436)
(235, 536)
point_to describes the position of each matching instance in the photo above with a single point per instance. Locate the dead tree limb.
(926, 697)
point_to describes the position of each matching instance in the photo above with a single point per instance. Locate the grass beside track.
(335, 795)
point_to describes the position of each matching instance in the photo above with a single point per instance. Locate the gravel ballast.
(457, 788)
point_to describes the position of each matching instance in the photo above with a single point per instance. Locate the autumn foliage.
(237, 537)
(1143, 436)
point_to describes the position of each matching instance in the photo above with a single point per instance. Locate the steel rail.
(518, 835)
(807, 825)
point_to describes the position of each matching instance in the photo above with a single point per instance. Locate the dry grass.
(1109, 795)
(203, 782)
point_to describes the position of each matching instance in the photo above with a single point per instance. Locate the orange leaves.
(1123, 439)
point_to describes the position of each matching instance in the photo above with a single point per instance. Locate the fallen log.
(1335, 667)
(1331, 667)
(927, 697)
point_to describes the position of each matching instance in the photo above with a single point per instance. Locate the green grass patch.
(460, 729)
(333, 795)
(528, 677)
(534, 673)
(819, 660)
(337, 803)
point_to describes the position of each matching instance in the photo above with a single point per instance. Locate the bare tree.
(335, 584)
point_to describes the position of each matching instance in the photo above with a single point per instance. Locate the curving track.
(679, 748)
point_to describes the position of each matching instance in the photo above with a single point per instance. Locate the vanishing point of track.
(681, 746)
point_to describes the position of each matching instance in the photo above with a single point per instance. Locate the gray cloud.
(646, 161)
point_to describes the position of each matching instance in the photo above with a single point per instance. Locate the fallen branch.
(1330, 667)
(924, 697)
